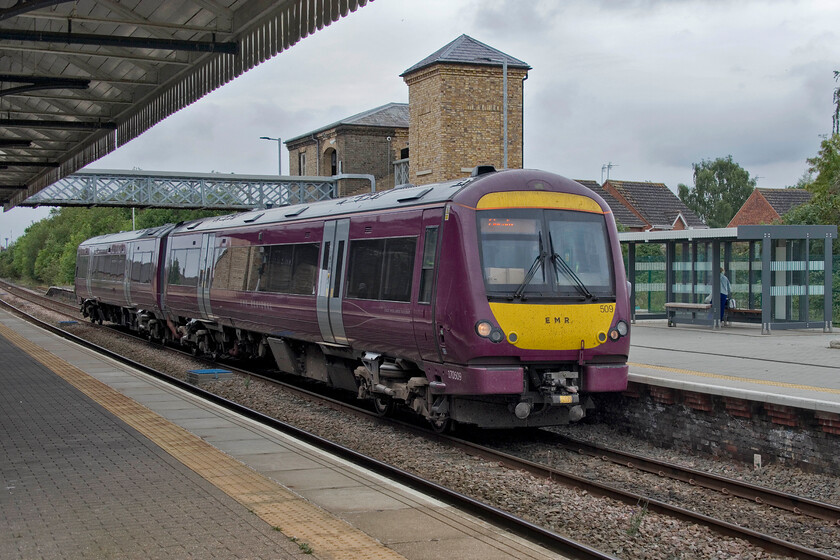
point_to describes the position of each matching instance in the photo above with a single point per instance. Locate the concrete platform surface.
(261, 485)
(789, 367)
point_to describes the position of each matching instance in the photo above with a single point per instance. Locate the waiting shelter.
(780, 276)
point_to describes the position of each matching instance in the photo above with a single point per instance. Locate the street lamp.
(279, 153)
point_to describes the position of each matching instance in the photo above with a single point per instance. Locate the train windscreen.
(527, 252)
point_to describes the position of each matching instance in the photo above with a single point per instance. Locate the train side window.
(146, 269)
(428, 273)
(82, 264)
(305, 269)
(399, 269)
(366, 258)
(381, 269)
(277, 276)
(183, 267)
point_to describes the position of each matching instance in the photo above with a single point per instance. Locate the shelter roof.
(80, 78)
(391, 115)
(466, 50)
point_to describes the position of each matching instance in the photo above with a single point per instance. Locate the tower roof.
(466, 50)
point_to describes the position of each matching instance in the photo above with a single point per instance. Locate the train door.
(130, 249)
(205, 267)
(423, 312)
(330, 286)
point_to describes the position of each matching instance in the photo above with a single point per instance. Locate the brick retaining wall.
(726, 427)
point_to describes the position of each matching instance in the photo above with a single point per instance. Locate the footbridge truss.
(217, 191)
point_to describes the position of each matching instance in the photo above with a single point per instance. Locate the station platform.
(101, 461)
(795, 368)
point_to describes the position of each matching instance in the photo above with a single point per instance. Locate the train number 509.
(608, 308)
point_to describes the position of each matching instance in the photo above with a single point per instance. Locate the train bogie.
(498, 301)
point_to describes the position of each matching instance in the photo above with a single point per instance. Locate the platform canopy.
(781, 276)
(80, 78)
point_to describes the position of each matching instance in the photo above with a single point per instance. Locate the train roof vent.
(297, 212)
(194, 225)
(482, 169)
(417, 196)
(253, 218)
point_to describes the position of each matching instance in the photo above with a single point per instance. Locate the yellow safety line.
(282, 509)
(735, 378)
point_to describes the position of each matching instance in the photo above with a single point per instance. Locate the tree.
(836, 117)
(720, 189)
(824, 206)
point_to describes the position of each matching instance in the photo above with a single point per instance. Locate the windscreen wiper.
(538, 261)
(560, 265)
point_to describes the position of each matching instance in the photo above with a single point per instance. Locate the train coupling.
(558, 387)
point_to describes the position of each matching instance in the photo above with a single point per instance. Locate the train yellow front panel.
(530, 199)
(554, 327)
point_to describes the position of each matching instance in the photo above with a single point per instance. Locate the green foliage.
(720, 189)
(46, 252)
(158, 216)
(824, 206)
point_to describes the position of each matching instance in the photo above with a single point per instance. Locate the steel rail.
(502, 519)
(727, 486)
(767, 542)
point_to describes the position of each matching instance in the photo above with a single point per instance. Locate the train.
(498, 300)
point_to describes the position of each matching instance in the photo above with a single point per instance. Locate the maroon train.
(499, 300)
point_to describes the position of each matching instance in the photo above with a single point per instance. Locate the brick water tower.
(459, 115)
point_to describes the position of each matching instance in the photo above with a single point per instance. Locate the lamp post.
(279, 153)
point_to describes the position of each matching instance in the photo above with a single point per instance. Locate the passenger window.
(381, 269)
(427, 275)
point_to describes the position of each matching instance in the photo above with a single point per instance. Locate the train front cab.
(534, 322)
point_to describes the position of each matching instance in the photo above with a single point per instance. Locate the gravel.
(625, 531)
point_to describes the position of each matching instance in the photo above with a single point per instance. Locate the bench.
(677, 311)
(743, 315)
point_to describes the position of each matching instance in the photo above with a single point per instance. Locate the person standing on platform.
(725, 289)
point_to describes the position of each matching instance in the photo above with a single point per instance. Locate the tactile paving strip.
(328, 536)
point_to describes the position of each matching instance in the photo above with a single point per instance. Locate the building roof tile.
(621, 214)
(783, 200)
(656, 203)
(391, 115)
(466, 50)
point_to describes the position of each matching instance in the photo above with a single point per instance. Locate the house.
(623, 215)
(654, 204)
(367, 143)
(456, 119)
(765, 206)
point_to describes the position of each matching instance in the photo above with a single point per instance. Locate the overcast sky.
(649, 85)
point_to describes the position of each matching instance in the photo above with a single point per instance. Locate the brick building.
(453, 122)
(367, 142)
(457, 110)
(654, 205)
(766, 206)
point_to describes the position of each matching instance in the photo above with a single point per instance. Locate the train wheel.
(441, 425)
(383, 406)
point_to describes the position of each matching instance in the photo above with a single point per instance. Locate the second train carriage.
(499, 300)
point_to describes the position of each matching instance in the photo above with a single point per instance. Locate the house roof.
(621, 214)
(656, 203)
(783, 200)
(466, 50)
(391, 115)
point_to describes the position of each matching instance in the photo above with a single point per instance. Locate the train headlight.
(614, 335)
(483, 329)
(622, 328)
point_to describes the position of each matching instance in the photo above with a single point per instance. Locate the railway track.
(720, 485)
